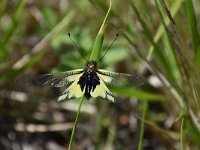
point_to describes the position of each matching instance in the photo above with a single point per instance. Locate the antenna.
(109, 47)
(69, 35)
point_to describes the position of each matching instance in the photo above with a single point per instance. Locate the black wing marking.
(59, 79)
(120, 80)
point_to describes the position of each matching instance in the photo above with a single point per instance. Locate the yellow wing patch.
(73, 91)
(102, 91)
(106, 79)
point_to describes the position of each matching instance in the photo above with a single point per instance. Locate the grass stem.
(144, 110)
(75, 123)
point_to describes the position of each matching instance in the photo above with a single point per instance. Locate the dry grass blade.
(33, 128)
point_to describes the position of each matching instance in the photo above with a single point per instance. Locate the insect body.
(90, 82)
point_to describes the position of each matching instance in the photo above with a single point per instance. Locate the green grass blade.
(100, 36)
(170, 53)
(97, 47)
(159, 52)
(192, 22)
(197, 57)
(193, 132)
(137, 93)
(146, 9)
(181, 134)
(174, 9)
(75, 123)
(15, 20)
(144, 110)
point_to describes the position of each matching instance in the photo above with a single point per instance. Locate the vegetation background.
(159, 41)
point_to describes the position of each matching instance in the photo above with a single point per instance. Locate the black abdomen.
(88, 81)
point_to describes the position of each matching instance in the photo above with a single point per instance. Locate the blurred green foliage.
(159, 41)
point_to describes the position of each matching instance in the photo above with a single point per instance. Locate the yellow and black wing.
(113, 79)
(101, 91)
(120, 80)
(59, 79)
(68, 79)
(73, 90)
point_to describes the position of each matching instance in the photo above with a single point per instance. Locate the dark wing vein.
(58, 79)
(121, 80)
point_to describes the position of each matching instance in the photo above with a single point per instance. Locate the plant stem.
(181, 134)
(75, 123)
(144, 110)
(94, 56)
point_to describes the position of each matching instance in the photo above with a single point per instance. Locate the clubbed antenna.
(78, 49)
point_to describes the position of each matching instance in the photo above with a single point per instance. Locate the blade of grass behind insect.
(15, 20)
(100, 36)
(192, 24)
(75, 123)
(144, 110)
(141, 95)
(93, 57)
(160, 55)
